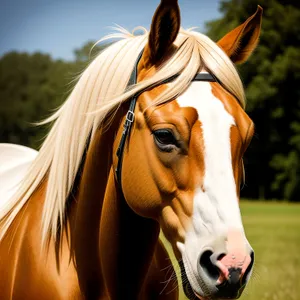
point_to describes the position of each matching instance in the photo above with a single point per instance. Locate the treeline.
(272, 82)
(33, 85)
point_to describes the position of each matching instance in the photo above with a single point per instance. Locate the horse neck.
(110, 242)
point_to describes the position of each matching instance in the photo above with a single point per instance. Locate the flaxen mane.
(102, 88)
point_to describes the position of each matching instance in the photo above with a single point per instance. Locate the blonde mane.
(102, 88)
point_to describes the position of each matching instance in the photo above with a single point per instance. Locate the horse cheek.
(139, 187)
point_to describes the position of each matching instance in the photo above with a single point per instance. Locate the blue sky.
(59, 26)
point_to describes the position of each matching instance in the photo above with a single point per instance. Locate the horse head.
(98, 193)
(183, 163)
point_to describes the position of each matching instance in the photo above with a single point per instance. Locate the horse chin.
(187, 288)
(190, 293)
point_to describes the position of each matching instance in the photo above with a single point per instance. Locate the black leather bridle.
(130, 113)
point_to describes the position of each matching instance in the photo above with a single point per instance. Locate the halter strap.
(130, 113)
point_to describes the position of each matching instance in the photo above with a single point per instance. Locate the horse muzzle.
(223, 269)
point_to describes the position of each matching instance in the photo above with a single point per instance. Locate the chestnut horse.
(77, 229)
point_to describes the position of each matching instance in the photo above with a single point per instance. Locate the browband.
(130, 113)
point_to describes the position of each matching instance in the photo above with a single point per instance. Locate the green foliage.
(32, 86)
(88, 51)
(272, 84)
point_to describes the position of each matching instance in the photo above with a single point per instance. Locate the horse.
(150, 139)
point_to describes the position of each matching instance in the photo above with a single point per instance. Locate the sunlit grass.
(273, 229)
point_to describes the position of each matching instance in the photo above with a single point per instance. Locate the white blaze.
(215, 209)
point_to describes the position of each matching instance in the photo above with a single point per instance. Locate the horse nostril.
(234, 276)
(206, 264)
(248, 270)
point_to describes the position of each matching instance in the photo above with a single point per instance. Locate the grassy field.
(273, 230)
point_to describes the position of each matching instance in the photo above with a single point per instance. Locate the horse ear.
(239, 43)
(164, 29)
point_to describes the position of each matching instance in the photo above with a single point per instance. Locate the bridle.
(130, 113)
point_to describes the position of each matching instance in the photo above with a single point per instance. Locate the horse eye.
(165, 140)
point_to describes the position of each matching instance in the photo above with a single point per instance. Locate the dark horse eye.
(165, 140)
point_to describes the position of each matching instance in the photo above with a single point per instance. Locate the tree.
(87, 52)
(272, 82)
(32, 86)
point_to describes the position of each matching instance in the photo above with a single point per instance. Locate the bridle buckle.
(130, 117)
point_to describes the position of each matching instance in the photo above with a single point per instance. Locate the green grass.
(273, 230)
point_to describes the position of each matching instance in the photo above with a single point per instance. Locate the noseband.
(130, 113)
